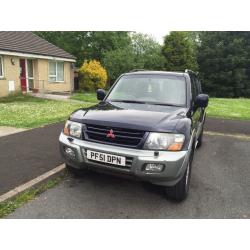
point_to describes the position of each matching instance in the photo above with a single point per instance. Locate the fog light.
(70, 153)
(154, 167)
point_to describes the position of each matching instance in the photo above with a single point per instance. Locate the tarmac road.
(220, 188)
(26, 155)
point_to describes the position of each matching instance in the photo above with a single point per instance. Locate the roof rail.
(191, 72)
(135, 70)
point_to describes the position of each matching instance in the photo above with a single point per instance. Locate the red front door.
(23, 74)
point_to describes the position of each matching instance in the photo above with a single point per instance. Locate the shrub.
(92, 76)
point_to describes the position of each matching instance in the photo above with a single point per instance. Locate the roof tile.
(27, 42)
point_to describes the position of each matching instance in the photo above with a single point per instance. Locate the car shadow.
(104, 180)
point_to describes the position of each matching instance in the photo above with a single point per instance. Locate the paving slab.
(4, 131)
(52, 96)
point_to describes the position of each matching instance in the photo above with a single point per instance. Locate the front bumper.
(175, 162)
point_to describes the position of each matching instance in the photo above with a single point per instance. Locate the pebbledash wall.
(41, 76)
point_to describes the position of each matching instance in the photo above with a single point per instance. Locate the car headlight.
(73, 129)
(164, 141)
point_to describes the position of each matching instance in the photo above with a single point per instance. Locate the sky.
(157, 35)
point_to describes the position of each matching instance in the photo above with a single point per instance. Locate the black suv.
(147, 126)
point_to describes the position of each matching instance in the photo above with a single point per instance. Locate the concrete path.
(65, 98)
(52, 96)
(4, 131)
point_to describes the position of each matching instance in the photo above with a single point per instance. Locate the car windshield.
(153, 89)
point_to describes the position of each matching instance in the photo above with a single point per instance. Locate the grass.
(24, 111)
(238, 109)
(86, 97)
(10, 206)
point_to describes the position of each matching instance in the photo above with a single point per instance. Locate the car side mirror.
(201, 100)
(100, 93)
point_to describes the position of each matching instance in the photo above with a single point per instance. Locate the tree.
(86, 45)
(179, 50)
(119, 61)
(142, 52)
(118, 51)
(224, 62)
(74, 42)
(101, 42)
(93, 76)
(147, 52)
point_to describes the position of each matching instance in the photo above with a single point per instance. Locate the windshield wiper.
(165, 104)
(128, 101)
(144, 102)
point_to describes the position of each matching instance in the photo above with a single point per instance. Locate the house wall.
(41, 76)
(11, 73)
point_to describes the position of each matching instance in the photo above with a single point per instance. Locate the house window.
(56, 71)
(1, 66)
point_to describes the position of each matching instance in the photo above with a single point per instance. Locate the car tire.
(199, 140)
(179, 192)
(75, 171)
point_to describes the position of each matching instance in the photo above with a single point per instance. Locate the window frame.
(56, 75)
(194, 89)
(2, 67)
(28, 78)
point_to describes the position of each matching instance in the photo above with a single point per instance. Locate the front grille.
(123, 137)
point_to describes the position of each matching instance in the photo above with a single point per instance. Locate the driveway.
(220, 188)
(28, 154)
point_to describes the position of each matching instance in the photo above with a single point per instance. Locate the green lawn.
(28, 112)
(23, 111)
(86, 97)
(238, 109)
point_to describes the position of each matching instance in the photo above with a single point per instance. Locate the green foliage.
(147, 52)
(86, 45)
(179, 50)
(101, 42)
(224, 60)
(141, 53)
(119, 61)
(92, 76)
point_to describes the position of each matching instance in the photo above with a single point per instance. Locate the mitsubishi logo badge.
(110, 134)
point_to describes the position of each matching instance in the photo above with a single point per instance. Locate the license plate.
(107, 158)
